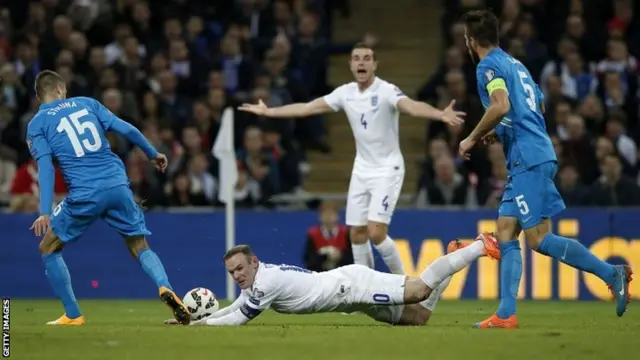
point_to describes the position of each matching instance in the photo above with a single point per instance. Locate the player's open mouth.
(362, 71)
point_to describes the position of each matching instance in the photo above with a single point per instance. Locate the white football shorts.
(373, 197)
(377, 294)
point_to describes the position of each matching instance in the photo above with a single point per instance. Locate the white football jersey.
(373, 116)
(290, 289)
(293, 290)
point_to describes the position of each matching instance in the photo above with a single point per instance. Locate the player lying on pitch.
(390, 298)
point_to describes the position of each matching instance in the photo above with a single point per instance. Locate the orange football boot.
(494, 322)
(65, 320)
(491, 247)
(180, 311)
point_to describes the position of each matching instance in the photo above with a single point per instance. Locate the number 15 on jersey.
(77, 127)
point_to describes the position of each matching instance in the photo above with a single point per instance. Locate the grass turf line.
(134, 330)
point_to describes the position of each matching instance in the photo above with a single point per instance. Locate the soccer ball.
(201, 303)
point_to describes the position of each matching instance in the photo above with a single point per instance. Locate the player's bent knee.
(136, 244)
(536, 234)
(508, 229)
(377, 231)
(415, 291)
(50, 243)
(359, 234)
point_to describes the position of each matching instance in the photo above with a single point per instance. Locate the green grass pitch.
(134, 330)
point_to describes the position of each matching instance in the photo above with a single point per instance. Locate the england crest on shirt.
(374, 100)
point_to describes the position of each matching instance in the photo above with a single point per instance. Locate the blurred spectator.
(260, 163)
(592, 111)
(171, 69)
(454, 60)
(572, 190)
(328, 245)
(448, 187)
(624, 145)
(25, 191)
(247, 191)
(613, 188)
(184, 193)
(490, 190)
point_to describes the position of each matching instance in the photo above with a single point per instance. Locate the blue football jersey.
(523, 131)
(73, 131)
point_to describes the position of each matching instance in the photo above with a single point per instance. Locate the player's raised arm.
(420, 109)
(114, 123)
(317, 106)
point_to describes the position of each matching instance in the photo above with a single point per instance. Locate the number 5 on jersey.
(75, 127)
(531, 95)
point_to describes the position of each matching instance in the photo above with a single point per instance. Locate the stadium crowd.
(171, 68)
(583, 54)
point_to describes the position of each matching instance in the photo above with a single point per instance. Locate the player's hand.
(41, 225)
(171, 322)
(160, 162)
(465, 147)
(452, 117)
(490, 138)
(259, 109)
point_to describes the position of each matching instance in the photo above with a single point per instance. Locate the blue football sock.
(60, 281)
(574, 254)
(153, 267)
(510, 274)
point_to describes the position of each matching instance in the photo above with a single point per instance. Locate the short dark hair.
(618, 116)
(363, 45)
(482, 26)
(239, 249)
(46, 82)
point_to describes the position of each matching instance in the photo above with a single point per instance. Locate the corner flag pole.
(224, 151)
(230, 227)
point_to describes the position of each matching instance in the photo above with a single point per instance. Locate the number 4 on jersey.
(363, 122)
(75, 128)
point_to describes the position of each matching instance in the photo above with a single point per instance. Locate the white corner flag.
(224, 151)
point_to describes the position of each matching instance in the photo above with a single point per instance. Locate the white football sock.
(363, 254)
(391, 256)
(451, 263)
(432, 300)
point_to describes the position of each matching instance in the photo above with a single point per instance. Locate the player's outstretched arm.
(114, 123)
(317, 106)
(420, 109)
(135, 136)
(229, 309)
(235, 318)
